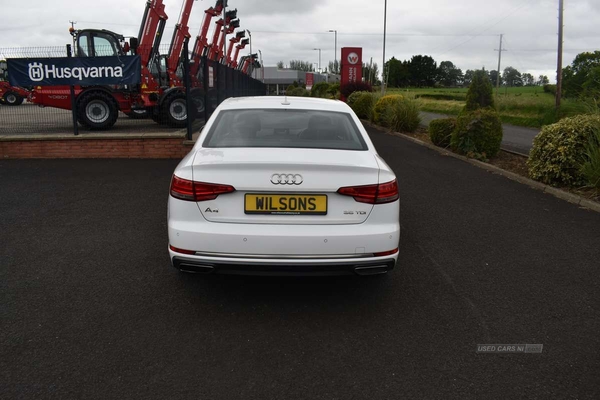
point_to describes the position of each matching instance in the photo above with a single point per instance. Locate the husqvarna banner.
(85, 71)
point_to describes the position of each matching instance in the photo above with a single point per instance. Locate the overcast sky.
(462, 31)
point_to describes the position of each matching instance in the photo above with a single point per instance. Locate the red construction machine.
(241, 46)
(10, 95)
(160, 92)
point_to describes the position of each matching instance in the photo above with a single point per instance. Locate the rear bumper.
(283, 267)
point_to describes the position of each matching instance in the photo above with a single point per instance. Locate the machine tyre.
(173, 110)
(97, 110)
(138, 114)
(198, 100)
(12, 99)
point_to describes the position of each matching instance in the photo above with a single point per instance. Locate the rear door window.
(285, 129)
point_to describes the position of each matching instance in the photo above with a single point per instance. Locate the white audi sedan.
(283, 186)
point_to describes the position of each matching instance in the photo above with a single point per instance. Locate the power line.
(487, 28)
(318, 32)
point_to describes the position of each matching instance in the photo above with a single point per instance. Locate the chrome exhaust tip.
(195, 268)
(372, 270)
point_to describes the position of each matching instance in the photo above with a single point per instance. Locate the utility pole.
(560, 53)
(384, 32)
(499, 50)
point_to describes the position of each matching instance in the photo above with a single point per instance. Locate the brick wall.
(82, 147)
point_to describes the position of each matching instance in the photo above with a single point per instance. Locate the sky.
(465, 32)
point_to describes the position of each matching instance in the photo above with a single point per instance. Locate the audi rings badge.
(286, 179)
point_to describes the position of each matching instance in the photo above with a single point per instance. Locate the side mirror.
(133, 44)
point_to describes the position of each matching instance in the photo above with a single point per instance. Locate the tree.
(591, 87)
(280, 65)
(480, 94)
(512, 77)
(423, 71)
(528, 79)
(577, 74)
(494, 77)
(370, 73)
(543, 80)
(391, 72)
(449, 75)
(300, 65)
(468, 78)
(334, 67)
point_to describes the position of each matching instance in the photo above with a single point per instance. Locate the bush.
(382, 109)
(404, 115)
(353, 97)
(481, 92)
(363, 104)
(320, 90)
(298, 92)
(590, 169)
(334, 90)
(440, 131)
(478, 134)
(550, 89)
(352, 87)
(555, 158)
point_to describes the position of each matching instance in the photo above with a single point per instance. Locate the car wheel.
(97, 110)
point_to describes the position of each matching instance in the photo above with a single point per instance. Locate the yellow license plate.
(286, 204)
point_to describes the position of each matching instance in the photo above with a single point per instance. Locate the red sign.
(310, 80)
(351, 65)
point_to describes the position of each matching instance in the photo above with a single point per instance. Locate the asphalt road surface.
(90, 307)
(516, 138)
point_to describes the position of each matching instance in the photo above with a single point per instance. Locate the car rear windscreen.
(285, 129)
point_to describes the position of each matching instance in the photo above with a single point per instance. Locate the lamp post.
(250, 35)
(319, 59)
(262, 67)
(335, 47)
(384, 27)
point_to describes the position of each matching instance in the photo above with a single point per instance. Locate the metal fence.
(217, 82)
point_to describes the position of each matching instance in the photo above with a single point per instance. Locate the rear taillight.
(373, 194)
(184, 189)
(182, 251)
(386, 253)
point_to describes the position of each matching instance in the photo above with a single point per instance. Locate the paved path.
(90, 308)
(516, 138)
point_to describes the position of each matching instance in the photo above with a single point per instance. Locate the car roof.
(281, 102)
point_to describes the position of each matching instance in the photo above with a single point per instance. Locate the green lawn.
(523, 106)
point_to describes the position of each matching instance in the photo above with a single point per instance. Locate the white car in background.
(283, 186)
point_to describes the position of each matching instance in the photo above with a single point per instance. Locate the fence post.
(73, 102)
(188, 88)
(205, 85)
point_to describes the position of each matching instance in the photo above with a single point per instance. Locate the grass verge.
(507, 161)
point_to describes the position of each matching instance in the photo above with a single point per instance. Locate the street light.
(250, 35)
(335, 58)
(262, 67)
(319, 59)
(384, 27)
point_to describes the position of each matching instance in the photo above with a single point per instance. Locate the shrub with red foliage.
(349, 88)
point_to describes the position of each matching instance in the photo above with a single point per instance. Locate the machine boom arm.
(181, 32)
